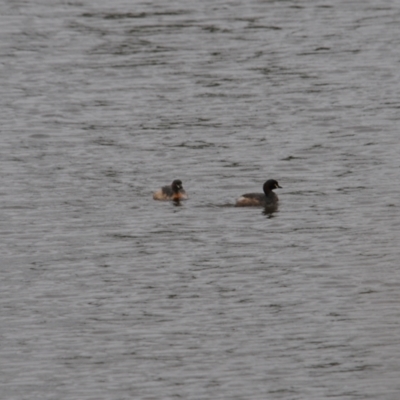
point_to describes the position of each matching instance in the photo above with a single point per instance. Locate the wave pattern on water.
(108, 294)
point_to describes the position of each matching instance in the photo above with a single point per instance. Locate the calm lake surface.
(108, 294)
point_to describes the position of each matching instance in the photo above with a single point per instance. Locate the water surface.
(107, 294)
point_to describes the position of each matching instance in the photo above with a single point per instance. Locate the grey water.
(108, 294)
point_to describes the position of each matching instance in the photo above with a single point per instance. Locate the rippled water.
(107, 294)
